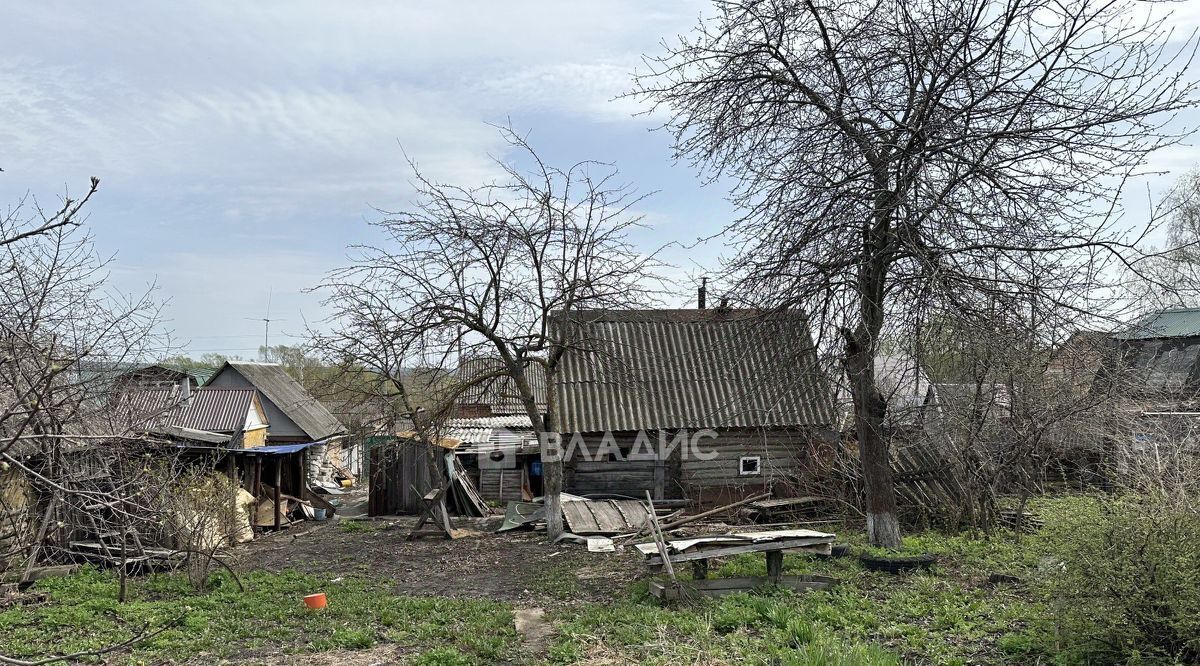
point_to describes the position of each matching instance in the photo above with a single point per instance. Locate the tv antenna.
(266, 320)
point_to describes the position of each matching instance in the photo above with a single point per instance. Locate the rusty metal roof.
(500, 394)
(206, 409)
(659, 369)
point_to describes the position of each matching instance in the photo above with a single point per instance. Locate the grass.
(559, 582)
(360, 526)
(84, 614)
(949, 615)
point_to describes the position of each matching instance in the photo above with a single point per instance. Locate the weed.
(359, 526)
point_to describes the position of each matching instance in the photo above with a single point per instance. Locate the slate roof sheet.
(660, 369)
(290, 397)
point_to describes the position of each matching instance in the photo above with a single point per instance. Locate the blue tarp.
(276, 450)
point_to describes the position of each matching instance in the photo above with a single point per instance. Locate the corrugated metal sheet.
(194, 435)
(491, 433)
(290, 397)
(149, 407)
(663, 369)
(217, 410)
(206, 409)
(1182, 322)
(500, 394)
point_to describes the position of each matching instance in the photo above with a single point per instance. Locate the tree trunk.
(883, 526)
(552, 480)
(552, 465)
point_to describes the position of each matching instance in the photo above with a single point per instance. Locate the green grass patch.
(559, 582)
(360, 526)
(84, 614)
(949, 615)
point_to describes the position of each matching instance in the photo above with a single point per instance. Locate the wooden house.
(698, 404)
(295, 415)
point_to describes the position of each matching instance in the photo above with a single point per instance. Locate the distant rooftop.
(1172, 323)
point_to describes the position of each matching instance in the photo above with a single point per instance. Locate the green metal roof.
(1174, 323)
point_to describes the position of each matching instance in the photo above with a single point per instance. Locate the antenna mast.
(266, 320)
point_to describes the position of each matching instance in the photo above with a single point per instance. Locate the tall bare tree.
(1171, 278)
(478, 271)
(894, 151)
(60, 328)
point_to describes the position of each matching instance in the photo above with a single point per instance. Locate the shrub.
(1123, 579)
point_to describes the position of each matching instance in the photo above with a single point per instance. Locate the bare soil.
(517, 566)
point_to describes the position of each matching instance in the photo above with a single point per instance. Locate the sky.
(241, 147)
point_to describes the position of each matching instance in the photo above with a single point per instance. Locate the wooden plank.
(608, 518)
(579, 518)
(813, 544)
(661, 543)
(278, 479)
(635, 514)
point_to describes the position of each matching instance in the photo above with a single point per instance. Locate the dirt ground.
(514, 566)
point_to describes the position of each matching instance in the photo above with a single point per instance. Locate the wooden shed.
(697, 404)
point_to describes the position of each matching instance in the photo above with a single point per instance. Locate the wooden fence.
(396, 467)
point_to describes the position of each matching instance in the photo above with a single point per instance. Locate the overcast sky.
(242, 145)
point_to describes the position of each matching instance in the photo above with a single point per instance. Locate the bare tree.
(1011, 403)
(68, 461)
(1171, 278)
(479, 271)
(900, 151)
(61, 330)
(64, 337)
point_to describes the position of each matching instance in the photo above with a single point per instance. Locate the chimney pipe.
(700, 293)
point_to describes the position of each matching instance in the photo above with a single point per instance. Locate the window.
(750, 465)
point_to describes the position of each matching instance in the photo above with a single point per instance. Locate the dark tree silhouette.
(920, 151)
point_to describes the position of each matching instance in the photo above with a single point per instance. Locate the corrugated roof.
(491, 432)
(500, 394)
(217, 409)
(1174, 323)
(207, 409)
(201, 375)
(290, 397)
(721, 368)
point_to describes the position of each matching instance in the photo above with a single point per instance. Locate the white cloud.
(241, 144)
